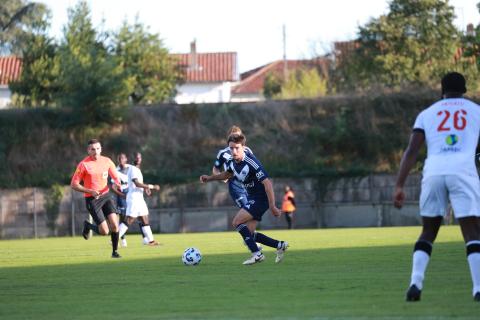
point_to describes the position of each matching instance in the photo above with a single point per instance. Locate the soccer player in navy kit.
(235, 187)
(260, 197)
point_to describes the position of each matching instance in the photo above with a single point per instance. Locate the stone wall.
(193, 207)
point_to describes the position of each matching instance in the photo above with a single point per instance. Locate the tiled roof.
(10, 69)
(253, 80)
(208, 67)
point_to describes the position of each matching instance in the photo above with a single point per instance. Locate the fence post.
(35, 230)
(72, 213)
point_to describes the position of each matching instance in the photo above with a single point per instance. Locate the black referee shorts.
(101, 207)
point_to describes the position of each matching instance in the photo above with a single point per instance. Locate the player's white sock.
(122, 229)
(421, 256)
(473, 256)
(147, 231)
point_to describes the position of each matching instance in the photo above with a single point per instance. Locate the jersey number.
(459, 120)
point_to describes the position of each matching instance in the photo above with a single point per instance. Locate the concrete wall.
(346, 202)
(203, 93)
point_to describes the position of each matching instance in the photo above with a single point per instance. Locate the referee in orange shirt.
(93, 171)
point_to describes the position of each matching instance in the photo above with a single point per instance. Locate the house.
(10, 69)
(250, 87)
(208, 77)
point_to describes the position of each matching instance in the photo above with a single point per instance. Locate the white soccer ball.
(191, 257)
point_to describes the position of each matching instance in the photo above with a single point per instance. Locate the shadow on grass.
(360, 282)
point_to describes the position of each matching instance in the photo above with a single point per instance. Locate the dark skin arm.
(409, 159)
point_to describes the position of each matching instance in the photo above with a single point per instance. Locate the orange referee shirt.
(287, 205)
(94, 174)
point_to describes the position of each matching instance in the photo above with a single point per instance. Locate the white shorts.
(462, 191)
(136, 207)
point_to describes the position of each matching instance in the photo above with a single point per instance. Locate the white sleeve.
(134, 172)
(419, 123)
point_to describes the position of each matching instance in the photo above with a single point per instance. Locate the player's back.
(451, 128)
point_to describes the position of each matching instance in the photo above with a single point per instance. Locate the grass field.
(326, 274)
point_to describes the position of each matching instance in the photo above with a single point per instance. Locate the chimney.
(470, 30)
(193, 55)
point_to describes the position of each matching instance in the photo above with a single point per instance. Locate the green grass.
(327, 274)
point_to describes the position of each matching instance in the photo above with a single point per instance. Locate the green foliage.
(415, 43)
(150, 74)
(38, 83)
(300, 83)
(18, 19)
(54, 196)
(272, 86)
(304, 83)
(90, 77)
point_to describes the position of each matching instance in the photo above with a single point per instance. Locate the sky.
(252, 28)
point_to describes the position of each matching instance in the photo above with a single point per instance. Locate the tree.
(38, 81)
(414, 44)
(17, 19)
(471, 52)
(151, 75)
(300, 83)
(90, 77)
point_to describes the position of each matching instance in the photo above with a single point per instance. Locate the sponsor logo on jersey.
(259, 174)
(451, 139)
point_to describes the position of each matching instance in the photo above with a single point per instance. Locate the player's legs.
(111, 212)
(433, 205)
(470, 227)
(288, 217)
(465, 198)
(240, 221)
(147, 231)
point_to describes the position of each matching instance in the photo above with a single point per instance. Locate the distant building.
(10, 70)
(250, 87)
(208, 76)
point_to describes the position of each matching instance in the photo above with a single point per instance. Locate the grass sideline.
(327, 274)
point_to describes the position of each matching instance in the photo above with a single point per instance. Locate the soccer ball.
(191, 257)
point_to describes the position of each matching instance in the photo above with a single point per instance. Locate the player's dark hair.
(237, 138)
(93, 141)
(453, 82)
(120, 155)
(135, 154)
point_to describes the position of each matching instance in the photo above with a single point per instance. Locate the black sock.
(114, 236)
(289, 221)
(247, 237)
(140, 224)
(263, 239)
(93, 227)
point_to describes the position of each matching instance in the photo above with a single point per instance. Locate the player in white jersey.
(450, 128)
(136, 205)
(122, 171)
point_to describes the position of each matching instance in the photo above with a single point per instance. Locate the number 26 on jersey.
(458, 120)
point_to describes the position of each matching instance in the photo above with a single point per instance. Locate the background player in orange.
(94, 171)
(288, 205)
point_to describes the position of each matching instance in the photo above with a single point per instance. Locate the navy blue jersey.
(225, 155)
(250, 172)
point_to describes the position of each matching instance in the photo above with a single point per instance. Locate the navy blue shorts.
(121, 205)
(238, 193)
(256, 208)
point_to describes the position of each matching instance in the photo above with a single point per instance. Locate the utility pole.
(285, 67)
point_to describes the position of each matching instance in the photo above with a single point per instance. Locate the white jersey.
(133, 190)
(451, 128)
(123, 176)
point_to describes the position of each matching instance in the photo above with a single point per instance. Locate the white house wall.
(203, 92)
(5, 97)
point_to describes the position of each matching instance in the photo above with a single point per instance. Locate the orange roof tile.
(10, 69)
(208, 67)
(253, 80)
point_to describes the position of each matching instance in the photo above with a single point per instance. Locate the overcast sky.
(252, 28)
